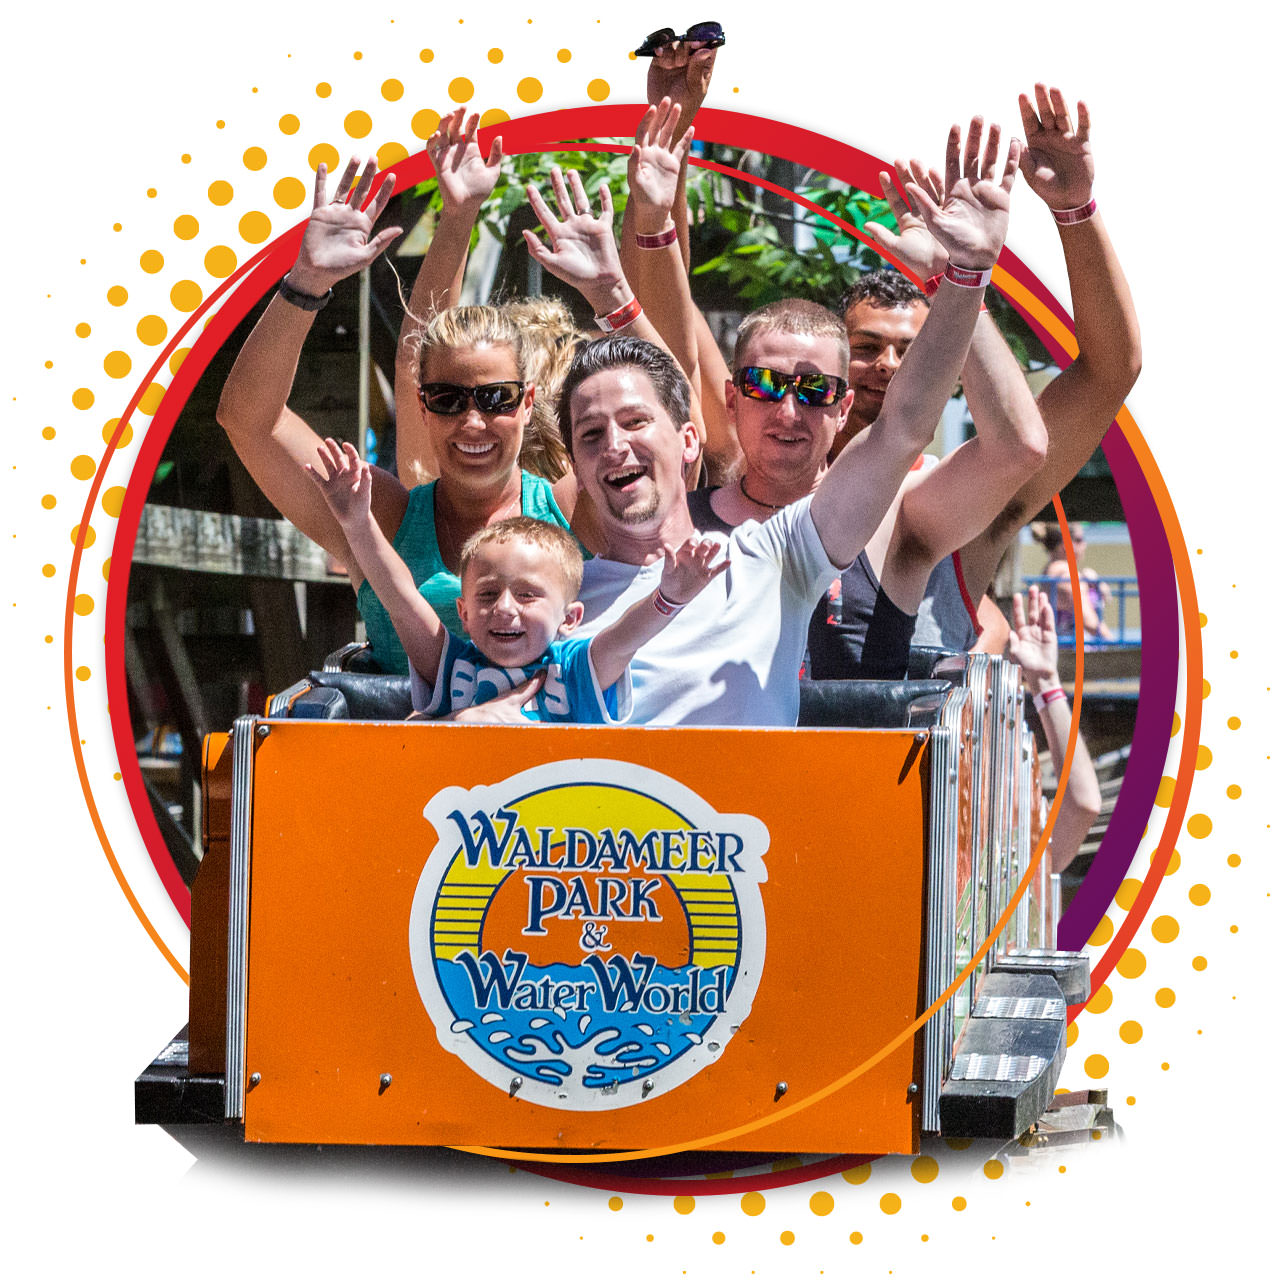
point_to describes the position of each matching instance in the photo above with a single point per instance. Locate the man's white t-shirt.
(732, 655)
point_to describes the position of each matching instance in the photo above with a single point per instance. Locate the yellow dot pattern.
(821, 1203)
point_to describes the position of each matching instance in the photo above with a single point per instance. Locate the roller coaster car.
(587, 938)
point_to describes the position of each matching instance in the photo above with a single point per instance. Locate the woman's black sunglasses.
(708, 35)
(450, 398)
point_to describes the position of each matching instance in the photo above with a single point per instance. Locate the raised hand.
(689, 567)
(345, 481)
(653, 169)
(465, 177)
(336, 243)
(972, 219)
(1057, 162)
(580, 248)
(681, 72)
(912, 244)
(1033, 638)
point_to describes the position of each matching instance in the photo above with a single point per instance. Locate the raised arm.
(685, 571)
(1080, 404)
(273, 443)
(970, 224)
(1033, 644)
(345, 485)
(466, 180)
(954, 501)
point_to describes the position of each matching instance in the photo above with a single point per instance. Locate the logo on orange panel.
(588, 934)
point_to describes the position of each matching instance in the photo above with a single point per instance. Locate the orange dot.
(357, 124)
(48, 432)
(425, 55)
(1164, 792)
(82, 398)
(890, 1202)
(82, 673)
(392, 90)
(1165, 996)
(1073, 1032)
(529, 89)
(752, 1204)
(323, 90)
(598, 90)
(1233, 722)
(1175, 861)
(495, 55)
(254, 227)
(1234, 792)
(151, 397)
(424, 123)
(220, 192)
(857, 1175)
(185, 227)
(106, 571)
(152, 330)
(1096, 1066)
(391, 153)
(186, 295)
(564, 55)
(255, 158)
(220, 261)
(49, 570)
(83, 466)
(1199, 825)
(117, 295)
(1199, 964)
(1132, 964)
(1199, 894)
(788, 1237)
(323, 153)
(151, 261)
(1102, 933)
(1164, 928)
(1233, 859)
(1131, 1032)
(461, 89)
(683, 1204)
(958, 1203)
(1127, 894)
(1100, 1001)
(717, 1237)
(1177, 724)
(289, 193)
(1205, 689)
(113, 500)
(116, 364)
(48, 502)
(821, 1203)
(83, 330)
(90, 537)
(855, 1237)
(83, 605)
(291, 123)
(615, 1203)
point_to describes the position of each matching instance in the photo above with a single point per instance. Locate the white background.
(101, 101)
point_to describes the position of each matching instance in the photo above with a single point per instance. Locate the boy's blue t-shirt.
(569, 694)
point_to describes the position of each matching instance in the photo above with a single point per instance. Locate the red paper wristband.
(1068, 217)
(668, 608)
(931, 285)
(1042, 700)
(966, 278)
(658, 241)
(622, 317)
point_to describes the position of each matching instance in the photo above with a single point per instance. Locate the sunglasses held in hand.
(820, 389)
(450, 398)
(705, 35)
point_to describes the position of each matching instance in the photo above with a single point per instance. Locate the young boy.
(520, 580)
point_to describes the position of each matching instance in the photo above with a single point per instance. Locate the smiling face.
(515, 601)
(878, 339)
(784, 442)
(629, 455)
(472, 447)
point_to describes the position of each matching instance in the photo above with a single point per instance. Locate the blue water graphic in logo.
(593, 1025)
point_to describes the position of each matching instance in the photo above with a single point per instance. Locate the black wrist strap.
(304, 301)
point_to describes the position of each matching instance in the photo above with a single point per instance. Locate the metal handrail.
(1124, 589)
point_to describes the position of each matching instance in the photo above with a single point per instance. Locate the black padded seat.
(925, 660)
(870, 704)
(353, 695)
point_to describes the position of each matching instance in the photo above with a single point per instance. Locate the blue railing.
(1122, 606)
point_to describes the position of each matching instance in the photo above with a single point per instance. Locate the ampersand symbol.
(593, 937)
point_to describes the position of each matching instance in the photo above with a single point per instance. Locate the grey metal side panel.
(243, 735)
